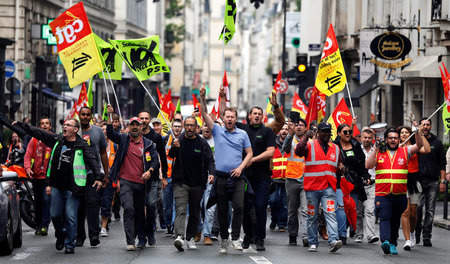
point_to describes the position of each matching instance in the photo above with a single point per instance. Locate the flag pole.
(151, 97)
(350, 99)
(437, 110)
(107, 94)
(115, 96)
(223, 49)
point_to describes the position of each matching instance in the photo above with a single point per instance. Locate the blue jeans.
(389, 210)
(106, 197)
(207, 224)
(255, 210)
(63, 202)
(42, 203)
(341, 217)
(327, 198)
(168, 205)
(278, 205)
(427, 200)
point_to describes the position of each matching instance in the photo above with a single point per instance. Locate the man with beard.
(368, 206)
(90, 205)
(277, 199)
(432, 179)
(193, 168)
(295, 192)
(230, 143)
(135, 163)
(151, 199)
(323, 165)
(391, 170)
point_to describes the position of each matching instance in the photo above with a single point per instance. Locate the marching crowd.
(224, 175)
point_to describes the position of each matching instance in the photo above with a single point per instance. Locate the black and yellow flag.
(230, 20)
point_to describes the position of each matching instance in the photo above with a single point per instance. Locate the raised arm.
(419, 141)
(278, 123)
(209, 122)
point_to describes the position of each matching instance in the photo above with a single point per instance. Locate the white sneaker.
(359, 239)
(130, 248)
(191, 244)
(103, 232)
(312, 248)
(413, 239)
(223, 246)
(408, 245)
(236, 244)
(179, 243)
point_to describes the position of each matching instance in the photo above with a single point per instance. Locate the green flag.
(446, 119)
(178, 108)
(142, 56)
(105, 112)
(230, 20)
(110, 58)
(90, 97)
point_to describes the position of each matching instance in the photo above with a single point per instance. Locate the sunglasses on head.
(347, 132)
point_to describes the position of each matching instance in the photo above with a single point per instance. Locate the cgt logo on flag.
(67, 32)
(340, 117)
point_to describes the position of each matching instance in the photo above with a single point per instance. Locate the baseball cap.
(135, 119)
(155, 120)
(324, 127)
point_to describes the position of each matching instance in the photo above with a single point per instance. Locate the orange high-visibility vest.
(391, 173)
(320, 169)
(112, 153)
(279, 164)
(295, 164)
(169, 159)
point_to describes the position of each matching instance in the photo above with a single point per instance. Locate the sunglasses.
(347, 132)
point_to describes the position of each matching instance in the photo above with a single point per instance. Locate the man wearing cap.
(151, 199)
(157, 125)
(295, 193)
(322, 165)
(136, 163)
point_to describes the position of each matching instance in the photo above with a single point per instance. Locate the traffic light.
(302, 65)
(295, 42)
(257, 3)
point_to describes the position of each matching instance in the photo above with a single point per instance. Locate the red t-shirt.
(133, 166)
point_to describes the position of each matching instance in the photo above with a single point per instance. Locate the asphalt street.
(37, 249)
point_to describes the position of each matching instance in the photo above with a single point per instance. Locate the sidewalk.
(439, 220)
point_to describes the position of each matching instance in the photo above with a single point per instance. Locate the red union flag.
(76, 45)
(215, 110)
(299, 106)
(276, 87)
(341, 115)
(446, 85)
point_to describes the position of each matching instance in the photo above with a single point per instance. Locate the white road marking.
(260, 260)
(21, 256)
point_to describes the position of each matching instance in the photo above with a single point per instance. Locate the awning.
(366, 87)
(48, 91)
(422, 67)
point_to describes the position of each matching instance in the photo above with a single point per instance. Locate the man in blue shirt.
(230, 143)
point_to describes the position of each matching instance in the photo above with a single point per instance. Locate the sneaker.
(343, 239)
(151, 240)
(214, 238)
(103, 232)
(282, 228)
(260, 245)
(358, 239)
(141, 244)
(44, 231)
(59, 243)
(236, 244)
(223, 246)
(246, 242)
(79, 242)
(427, 243)
(94, 241)
(413, 239)
(312, 248)
(198, 237)
(386, 247)
(207, 241)
(169, 232)
(272, 226)
(408, 245)
(305, 241)
(292, 241)
(335, 246)
(191, 243)
(393, 250)
(69, 251)
(37, 232)
(373, 239)
(130, 248)
(179, 243)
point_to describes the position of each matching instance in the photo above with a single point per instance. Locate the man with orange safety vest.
(167, 193)
(277, 199)
(295, 192)
(322, 165)
(391, 171)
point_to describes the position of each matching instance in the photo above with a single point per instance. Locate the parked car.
(10, 222)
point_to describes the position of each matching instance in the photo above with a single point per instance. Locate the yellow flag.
(446, 119)
(331, 74)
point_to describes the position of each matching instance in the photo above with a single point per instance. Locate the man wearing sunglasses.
(391, 170)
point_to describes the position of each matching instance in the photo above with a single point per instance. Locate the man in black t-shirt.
(258, 173)
(193, 167)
